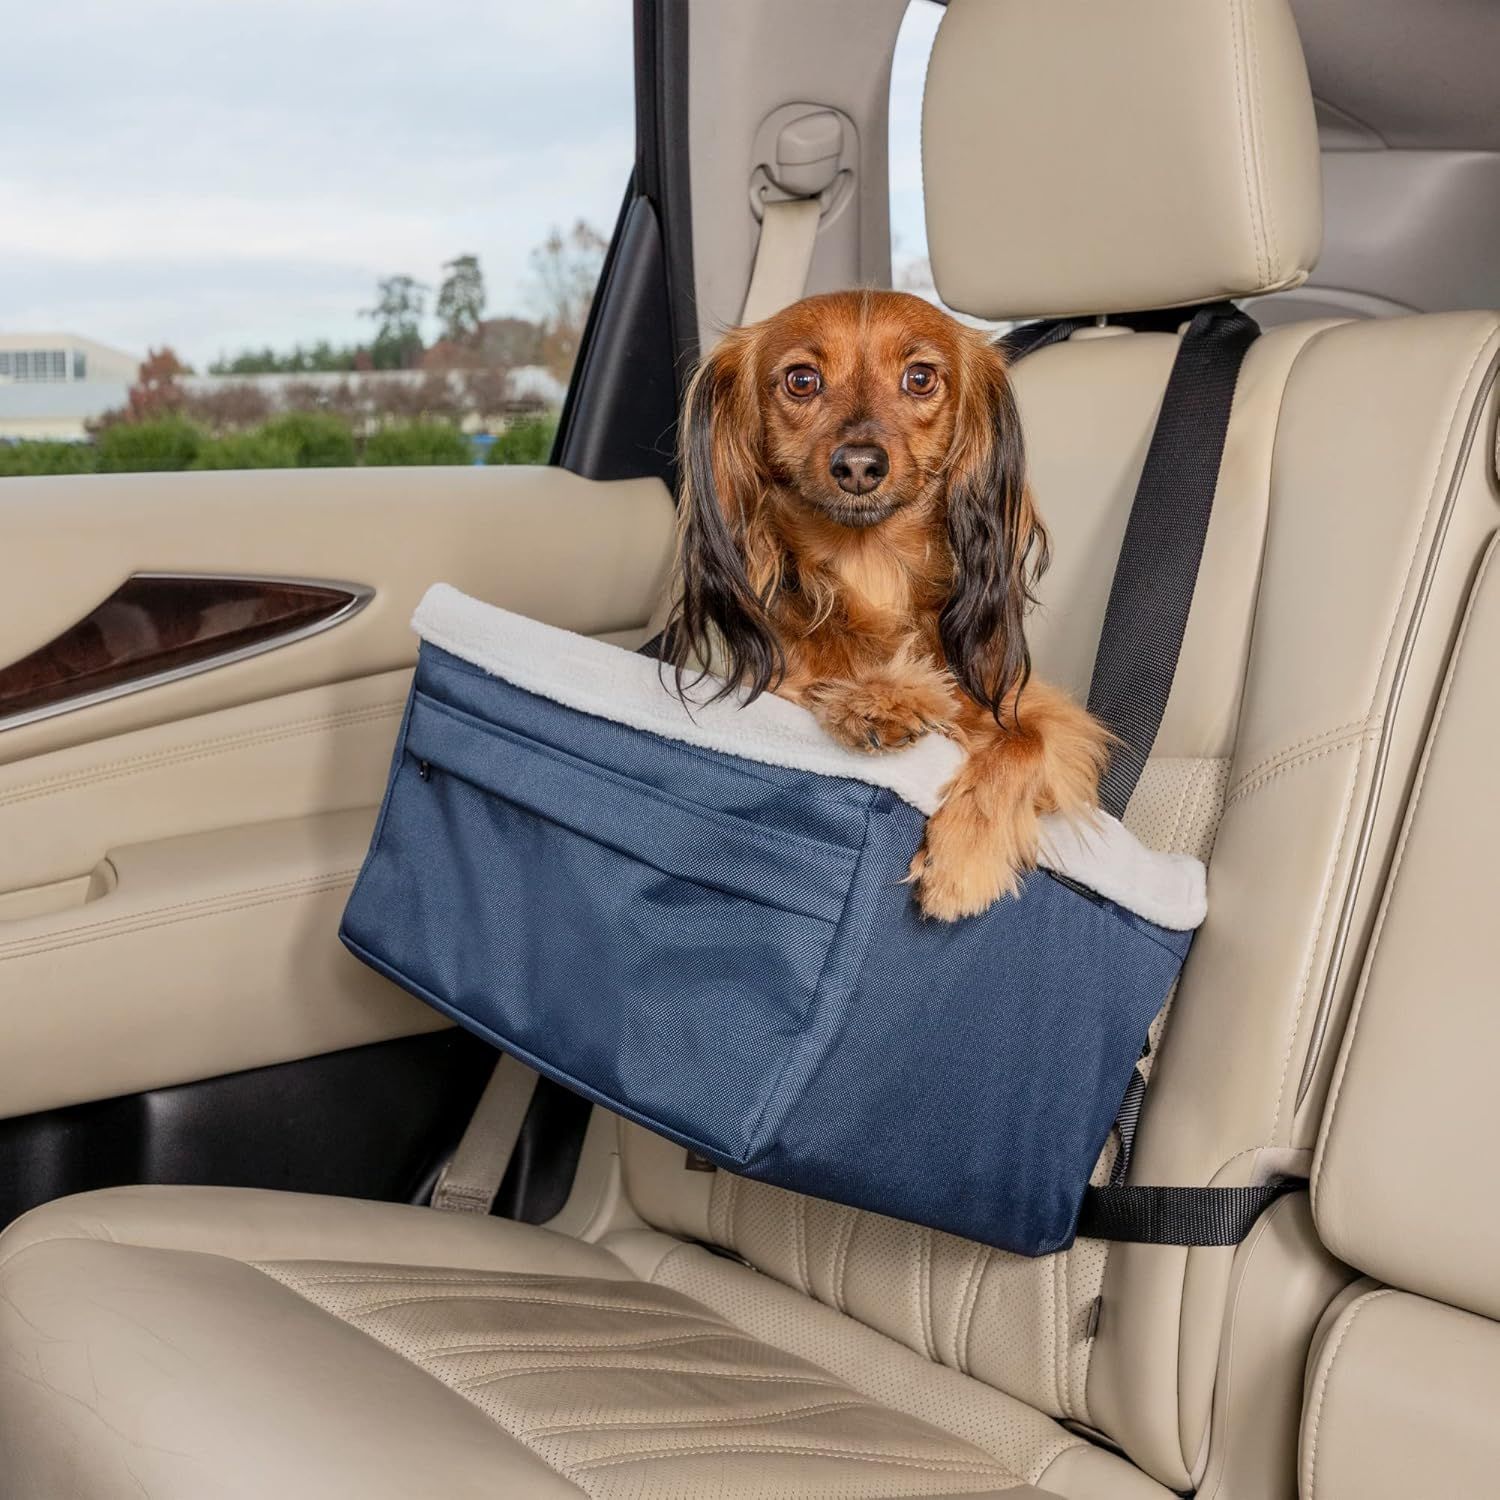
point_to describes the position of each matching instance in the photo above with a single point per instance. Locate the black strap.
(1178, 1215)
(1144, 623)
(1157, 570)
(1027, 338)
(1155, 577)
(1125, 1123)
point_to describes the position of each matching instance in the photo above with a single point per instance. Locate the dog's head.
(842, 415)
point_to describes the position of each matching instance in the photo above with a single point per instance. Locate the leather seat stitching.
(971, 1301)
(788, 1450)
(627, 1308)
(1241, 112)
(326, 884)
(739, 1419)
(1276, 271)
(847, 1226)
(1398, 860)
(43, 941)
(1319, 1395)
(579, 1343)
(1296, 762)
(799, 1242)
(200, 750)
(1064, 1330)
(924, 1291)
(1325, 897)
(1440, 466)
(1287, 751)
(408, 1275)
(623, 1366)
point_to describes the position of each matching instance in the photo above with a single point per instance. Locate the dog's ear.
(998, 542)
(728, 562)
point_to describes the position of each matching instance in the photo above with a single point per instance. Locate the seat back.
(1405, 1375)
(1084, 159)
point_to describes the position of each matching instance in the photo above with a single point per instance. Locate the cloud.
(224, 172)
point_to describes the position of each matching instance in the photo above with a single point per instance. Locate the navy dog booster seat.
(697, 916)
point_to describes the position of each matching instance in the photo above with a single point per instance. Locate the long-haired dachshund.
(856, 534)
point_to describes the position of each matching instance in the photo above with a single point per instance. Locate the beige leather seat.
(1079, 159)
(1404, 1381)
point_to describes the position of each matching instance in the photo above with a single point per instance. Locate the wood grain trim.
(159, 627)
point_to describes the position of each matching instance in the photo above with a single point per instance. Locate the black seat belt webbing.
(1155, 577)
(1178, 1215)
(1144, 623)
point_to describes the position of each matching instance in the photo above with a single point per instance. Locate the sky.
(216, 175)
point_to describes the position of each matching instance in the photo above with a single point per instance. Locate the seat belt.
(1144, 623)
(782, 257)
(471, 1181)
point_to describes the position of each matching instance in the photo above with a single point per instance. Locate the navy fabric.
(727, 953)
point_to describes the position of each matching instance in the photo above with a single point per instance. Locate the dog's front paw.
(879, 716)
(969, 860)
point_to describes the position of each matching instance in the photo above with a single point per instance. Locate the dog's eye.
(919, 380)
(803, 381)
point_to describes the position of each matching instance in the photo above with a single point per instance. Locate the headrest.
(1082, 157)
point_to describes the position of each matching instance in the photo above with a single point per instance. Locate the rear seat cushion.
(189, 1342)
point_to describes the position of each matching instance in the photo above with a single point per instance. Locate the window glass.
(281, 232)
(911, 271)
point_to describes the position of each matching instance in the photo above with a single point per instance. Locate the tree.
(509, 341)
(460, 300)
(227, 408)
(156, 392)
(564, 273)
(400, 303)
(319, 357)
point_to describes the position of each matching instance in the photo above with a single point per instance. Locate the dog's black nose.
(859, 467)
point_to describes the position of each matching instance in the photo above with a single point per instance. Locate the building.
(50, 358)
(52, 384)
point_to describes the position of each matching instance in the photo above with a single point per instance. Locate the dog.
(856, 535)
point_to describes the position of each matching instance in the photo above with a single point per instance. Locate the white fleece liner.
(612, 683)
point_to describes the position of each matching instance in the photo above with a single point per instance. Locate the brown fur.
(895, 612)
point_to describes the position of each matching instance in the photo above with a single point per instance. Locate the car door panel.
(173, 862)
(590, 555)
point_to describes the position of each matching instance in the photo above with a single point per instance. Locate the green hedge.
(418, 443)
(163, 444)
(246, 450)
(293, 440)
(318, 439)
(527, 441)
(20, 459)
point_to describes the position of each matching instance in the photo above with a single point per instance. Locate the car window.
(264, 233)
(911, 271)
